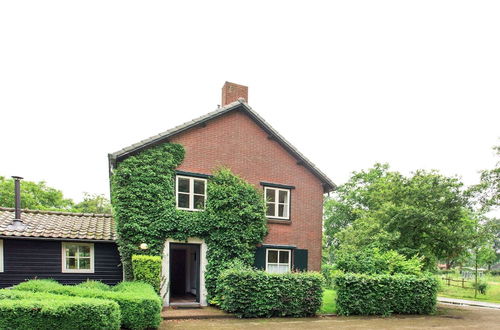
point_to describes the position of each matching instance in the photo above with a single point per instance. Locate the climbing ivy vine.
(143, 199)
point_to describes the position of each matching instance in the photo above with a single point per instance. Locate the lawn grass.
(328, 306)
(492, 293)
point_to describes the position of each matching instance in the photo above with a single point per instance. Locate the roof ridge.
(94, 215)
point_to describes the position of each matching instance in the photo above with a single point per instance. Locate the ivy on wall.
(143, 198)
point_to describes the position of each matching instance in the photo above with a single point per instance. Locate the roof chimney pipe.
(17, 223)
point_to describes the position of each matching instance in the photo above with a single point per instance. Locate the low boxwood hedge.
(28, 310)
(140, 306)
(253, 293)
(147, 269)
(362, 294)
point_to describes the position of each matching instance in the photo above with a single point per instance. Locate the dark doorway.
(184, 273)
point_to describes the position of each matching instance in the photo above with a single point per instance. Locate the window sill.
(279, 221)
(77, 271)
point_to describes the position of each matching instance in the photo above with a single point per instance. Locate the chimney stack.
(17, 223)
(232, 92)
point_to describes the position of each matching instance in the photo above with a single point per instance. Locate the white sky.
(349, 83)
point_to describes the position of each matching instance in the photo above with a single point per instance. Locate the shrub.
(372, 261)
(495, 272)
(139, 304)
(91, 284)
(482, 287)
(147, 269)
(363, 294)
(27, 310)
(252, 293)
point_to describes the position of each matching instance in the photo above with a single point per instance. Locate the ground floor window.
(77, 257)
(278, 261)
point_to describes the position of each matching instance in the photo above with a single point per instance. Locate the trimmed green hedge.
(253, 293)
(140, 306)
(362, 294)
(28, 310)
(147, 269)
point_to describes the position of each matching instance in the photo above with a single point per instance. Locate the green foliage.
(482, 287)
(36, 196)
(486, 194)
(140, 306)
(328, 271)
(44, 311)
(232, 224)
(93, 203)
(423, 214)
(91, 284)
(147, 269)
(363, 294)
(372, 261)
(252, 293)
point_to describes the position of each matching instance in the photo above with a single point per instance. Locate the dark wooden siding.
(26, 259)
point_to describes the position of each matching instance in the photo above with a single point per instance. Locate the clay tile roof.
(51, 224)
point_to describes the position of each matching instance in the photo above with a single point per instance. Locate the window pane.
(272, 256)
(272, 268)
(71, 250)
(283, 269)
(199, 202)
(70, 263)
(199, 187)
(283, 211)
(84, 251)
(183, 200)
(270, 195)
(283, 196)
(284, 257)
(270, 210)
(84, 263)
(183, 185)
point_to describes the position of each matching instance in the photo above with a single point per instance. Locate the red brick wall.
(237, 142)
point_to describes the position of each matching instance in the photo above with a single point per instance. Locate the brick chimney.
(232, 92)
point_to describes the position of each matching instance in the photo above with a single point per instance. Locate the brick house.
(235, 136)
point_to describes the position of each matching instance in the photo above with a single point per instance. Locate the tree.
(35, 196)
(486, 194)
(424, 214)
(93, 203)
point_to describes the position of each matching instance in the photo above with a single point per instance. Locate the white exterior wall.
(165, 267)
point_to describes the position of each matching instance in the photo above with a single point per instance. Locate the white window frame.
(191, 192)
(1, 256)
(276, 199)
(278, 263)
(92, 259)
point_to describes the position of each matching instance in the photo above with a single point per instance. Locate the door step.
(185, 305)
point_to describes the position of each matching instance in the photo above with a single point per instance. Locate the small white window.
(191, 193)
(277, 203)
(1, 256)
(77, 257)
(278, 261)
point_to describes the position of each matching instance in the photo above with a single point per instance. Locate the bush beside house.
(363, 294)
(147, 269)
(28, 310)
(140, 306)
(251, 293)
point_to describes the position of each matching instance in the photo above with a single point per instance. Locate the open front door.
(184, 273)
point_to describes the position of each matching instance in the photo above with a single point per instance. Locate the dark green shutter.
(300, 260)
(260, 258)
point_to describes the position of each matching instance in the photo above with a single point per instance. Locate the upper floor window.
(191, 193)
(278, 203)
(77, 257)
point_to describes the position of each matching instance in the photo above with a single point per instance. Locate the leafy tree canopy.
(39, 196)
(423, 214)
